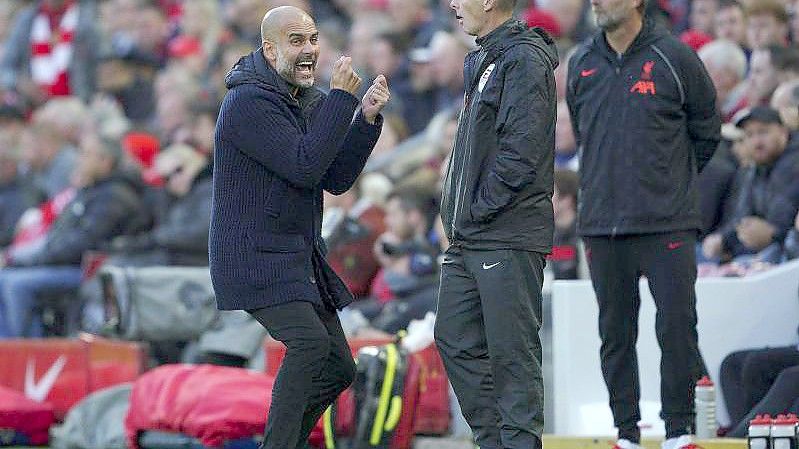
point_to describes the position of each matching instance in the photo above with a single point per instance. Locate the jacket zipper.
(460, 189)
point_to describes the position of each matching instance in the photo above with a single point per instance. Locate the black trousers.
(668, 261)
(487, 324)
(782, 397)
(317, 367)
(748, 376)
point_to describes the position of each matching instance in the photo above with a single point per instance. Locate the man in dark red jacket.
(279, 143)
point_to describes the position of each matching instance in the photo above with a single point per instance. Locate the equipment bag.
(23, 421)
(379, 384)
(158, 303)
(96, 422)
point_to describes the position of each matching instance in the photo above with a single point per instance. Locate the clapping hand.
(375, 99)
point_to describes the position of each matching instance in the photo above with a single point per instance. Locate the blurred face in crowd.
(406, 13)
(446, 62)
(152, 29)
(764, 30)
(39, 147)
(702, 15)
(612, 14)
(765, 141)
(762, 76)
(399, 221)
(179, 166)
(383, 58)
(292, 47)
(731, 25)
(94, 163)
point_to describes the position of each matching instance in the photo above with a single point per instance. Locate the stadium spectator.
(414, 19)
(703, 13)
(52, 49)
(759, 381)
(786, 101)
(107, 204)
(127, 75)
(786, 63)
(766, 195)
(16, 195)
(48, 151)
(726, 64)
(767, 23)
(762, 79)
(730, 23)
(447, 52)
(406, 284)
(180, 236)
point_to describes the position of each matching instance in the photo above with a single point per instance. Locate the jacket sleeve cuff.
(345, 98)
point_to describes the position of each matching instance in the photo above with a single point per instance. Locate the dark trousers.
(748, 376)
(668, 261)
(317, 367)
(782, 397)
(487, 324)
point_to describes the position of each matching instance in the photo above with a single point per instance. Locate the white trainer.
(681, 442)
(627, 444)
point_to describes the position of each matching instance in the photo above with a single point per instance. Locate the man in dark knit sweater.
(279, 143)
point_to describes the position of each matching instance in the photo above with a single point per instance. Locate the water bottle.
(760, 432)
(705, 405)
(785, 432)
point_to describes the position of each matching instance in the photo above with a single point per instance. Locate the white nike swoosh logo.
(38, 392)
(446, 261)
(488, 267)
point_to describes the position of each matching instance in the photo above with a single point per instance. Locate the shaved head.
(276, 19)
(291, 44)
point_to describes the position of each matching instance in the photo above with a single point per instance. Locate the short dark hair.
(642, 7)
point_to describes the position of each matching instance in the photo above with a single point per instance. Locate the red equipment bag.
(23, 421)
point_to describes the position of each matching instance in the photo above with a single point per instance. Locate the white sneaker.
(626, 444)
(682, 442)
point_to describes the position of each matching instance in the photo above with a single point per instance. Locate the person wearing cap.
(644, 114)
(765, 195)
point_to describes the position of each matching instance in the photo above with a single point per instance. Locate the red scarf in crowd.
(52, 36)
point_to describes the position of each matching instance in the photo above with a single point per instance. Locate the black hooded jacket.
(646, 124)
(498, 189)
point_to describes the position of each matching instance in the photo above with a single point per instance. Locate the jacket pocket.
(278, 258)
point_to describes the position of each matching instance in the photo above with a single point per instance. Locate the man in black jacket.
(279, 143)
(106, 205)
(497, 213)
(765, 195)
(644, 115)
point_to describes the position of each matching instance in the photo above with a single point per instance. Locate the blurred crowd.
(108, 110)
